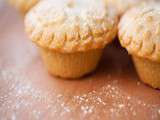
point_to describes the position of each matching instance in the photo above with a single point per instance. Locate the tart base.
(70, 65)
(148, 71)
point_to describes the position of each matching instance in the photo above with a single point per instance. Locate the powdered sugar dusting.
(91, 101)
(22, 97)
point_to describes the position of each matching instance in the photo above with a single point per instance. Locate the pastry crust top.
(123, 5)
(71, 25)
(139, 31)
(23, 5)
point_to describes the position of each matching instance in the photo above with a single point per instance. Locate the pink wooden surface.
(28, 92)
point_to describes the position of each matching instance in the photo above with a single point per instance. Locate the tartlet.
(139, 33)
(71, 34)
(123, 5)
(23, 5)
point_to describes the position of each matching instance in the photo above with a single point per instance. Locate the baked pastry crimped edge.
(71, 26)
(139, 31)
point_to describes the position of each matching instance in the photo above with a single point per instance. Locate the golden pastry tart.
(23, 5)
(123, 5)
(139, 33)
(71, 34)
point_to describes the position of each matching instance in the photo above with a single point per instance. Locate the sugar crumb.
(159, 111)
(121, 106)
(87, 109)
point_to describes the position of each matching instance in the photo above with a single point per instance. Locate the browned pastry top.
(139, 31)
(71, 25)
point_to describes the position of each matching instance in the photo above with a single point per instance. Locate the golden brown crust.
(148, 71)
(71, 26)
(139, 31)
(23, 5)
(72, 65)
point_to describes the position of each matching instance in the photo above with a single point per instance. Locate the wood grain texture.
(28, 92)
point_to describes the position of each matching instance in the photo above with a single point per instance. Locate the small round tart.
(23, 5)
(123, 5)
(139, 33)
(69, 27)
